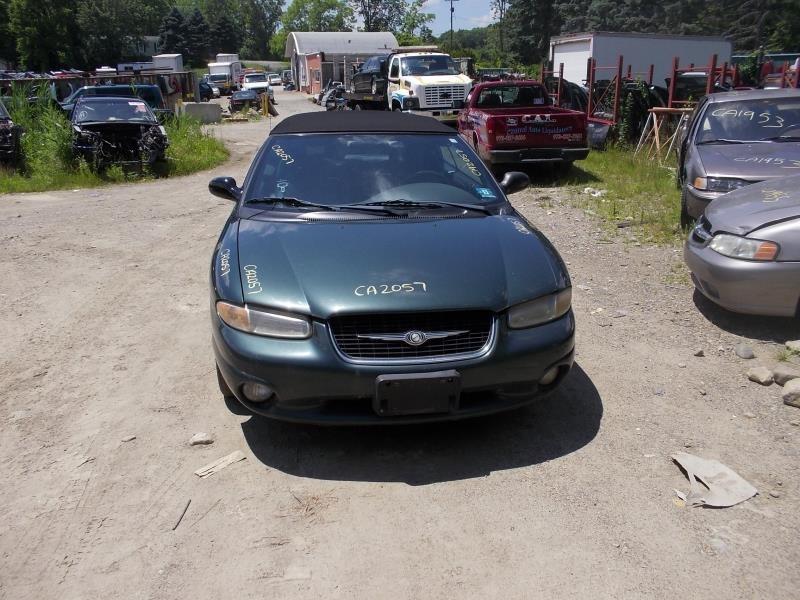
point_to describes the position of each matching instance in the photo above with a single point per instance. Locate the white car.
(274, 79)
(259, 83)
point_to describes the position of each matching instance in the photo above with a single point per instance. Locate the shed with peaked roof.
(317, 57)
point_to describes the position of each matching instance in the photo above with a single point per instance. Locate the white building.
(317, 56)
(640, 50)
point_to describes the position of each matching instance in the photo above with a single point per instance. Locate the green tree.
(380, 15)
(414, 26)
(318, 15)
(530, 25)
(197, 36)
(107, 28)
(45, 32)
(224, 35)
(8, 41)
(261, 19)
(172, 33)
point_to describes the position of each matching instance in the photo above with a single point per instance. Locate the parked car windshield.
(507, 96)
(750, 120)
(254, 78)
(134, 110)
(429, 65)
(3, 112)
(151, 95)
(218, 77)
(346, 169)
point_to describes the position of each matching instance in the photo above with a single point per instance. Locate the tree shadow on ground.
(769, 329)
(557, 425)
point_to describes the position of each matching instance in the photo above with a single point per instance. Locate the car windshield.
(437, 64)
(502, 96)
(134, 110)
(3, 112)
(334, 170)
(255, 78)
(750, 121)
(218, 77)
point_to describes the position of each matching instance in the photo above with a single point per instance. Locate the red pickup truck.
(514, 122)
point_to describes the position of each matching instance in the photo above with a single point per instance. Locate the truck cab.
(428, 83)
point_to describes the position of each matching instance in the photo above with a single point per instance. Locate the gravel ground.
(106, 336)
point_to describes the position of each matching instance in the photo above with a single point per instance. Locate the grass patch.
(638, 191)
(48, 163)
(786, 355)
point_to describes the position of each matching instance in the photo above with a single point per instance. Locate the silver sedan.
(744, 252)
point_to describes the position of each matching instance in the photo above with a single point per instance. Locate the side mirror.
(514, 181)
(225, 187)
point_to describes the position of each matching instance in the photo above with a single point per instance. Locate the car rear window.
(508, 96)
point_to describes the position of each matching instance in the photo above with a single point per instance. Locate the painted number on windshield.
(282, 154)
(765, 119)
(469, 164)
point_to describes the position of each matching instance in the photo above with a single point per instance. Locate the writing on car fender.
(391, 288)
(224, 262)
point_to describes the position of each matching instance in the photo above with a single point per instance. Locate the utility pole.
(452, 10)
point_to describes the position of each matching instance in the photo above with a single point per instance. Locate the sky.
(468, 14)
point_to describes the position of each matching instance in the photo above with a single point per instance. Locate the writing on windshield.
(134, 110)
(750, 120)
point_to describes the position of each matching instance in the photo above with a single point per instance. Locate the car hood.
(752, 162)
(755, 206)
(327, 268)
(256, 85)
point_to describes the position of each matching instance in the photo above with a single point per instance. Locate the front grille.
(346, 330)
(443, 95)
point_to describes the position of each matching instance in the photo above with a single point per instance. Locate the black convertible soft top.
(360, 121)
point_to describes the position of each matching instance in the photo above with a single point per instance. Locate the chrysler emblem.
(415, 338)
(412, 338)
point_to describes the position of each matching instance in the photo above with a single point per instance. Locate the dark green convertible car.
(372, 271)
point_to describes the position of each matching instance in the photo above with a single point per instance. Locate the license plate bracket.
(417, 393)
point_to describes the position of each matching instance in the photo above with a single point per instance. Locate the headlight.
(410, 103)
(739, 247)
(719, 184)
(261, 322)
(541, 310)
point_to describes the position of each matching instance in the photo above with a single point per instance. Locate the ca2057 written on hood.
(324, 269)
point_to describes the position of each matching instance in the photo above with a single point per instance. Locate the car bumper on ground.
(536, 155)
(739, 285)
(313, 383)
(697, 200)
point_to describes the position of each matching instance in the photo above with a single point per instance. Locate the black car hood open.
(752, 162)
(755, 206)
(393, 266)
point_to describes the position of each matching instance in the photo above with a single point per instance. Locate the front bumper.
(312, 383)
(440, 114)
(697, 200)
(536, 155)
(739, 285)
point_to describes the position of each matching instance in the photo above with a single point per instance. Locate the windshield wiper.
(288, 201)
(781, 138)
(291, 201)
(402, 202)
(723, 141)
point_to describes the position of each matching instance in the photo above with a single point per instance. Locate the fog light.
(256, 392)
(549, 377)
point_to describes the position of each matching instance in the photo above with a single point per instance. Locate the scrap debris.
(183, 512)
(220, 464)
(711, 482)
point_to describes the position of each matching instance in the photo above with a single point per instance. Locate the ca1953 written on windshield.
(764, 118)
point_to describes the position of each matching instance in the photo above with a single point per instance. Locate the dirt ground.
(105, 334)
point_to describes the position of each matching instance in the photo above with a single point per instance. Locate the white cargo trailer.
(168, 62)
(230, 58)
(639, 50)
